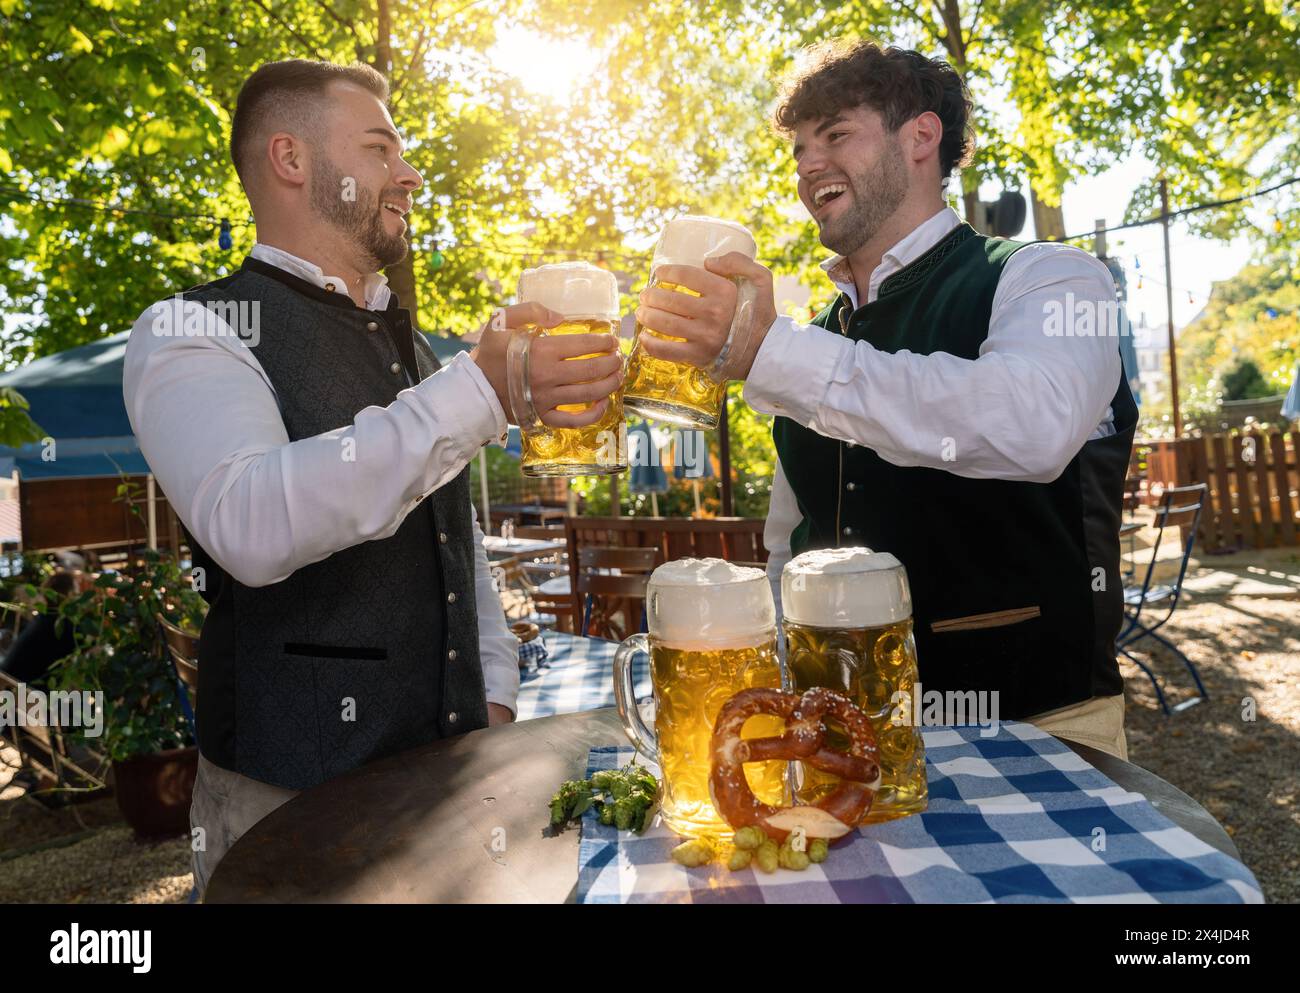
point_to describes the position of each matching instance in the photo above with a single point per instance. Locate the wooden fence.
(1254, 485)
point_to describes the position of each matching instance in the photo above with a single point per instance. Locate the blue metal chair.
(1180, 508)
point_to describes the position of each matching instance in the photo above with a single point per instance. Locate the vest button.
(372, 326)
(850, 486)
(848, 532)
(395, 368)
(442, 537)
(451, 597)
(451, 655)
(850, 444)
(451, 718)
(330, 287)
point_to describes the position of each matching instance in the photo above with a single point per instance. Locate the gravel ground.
(109, 866)
(1244, 772)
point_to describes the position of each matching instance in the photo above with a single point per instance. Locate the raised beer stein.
(848, 627)
(672, 391)
(587, 297)
(712, 634)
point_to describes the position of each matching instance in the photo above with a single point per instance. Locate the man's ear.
(927, 133)
(288, 157)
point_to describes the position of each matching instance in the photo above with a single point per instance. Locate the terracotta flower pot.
(154, 791)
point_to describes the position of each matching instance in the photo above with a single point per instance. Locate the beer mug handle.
(625, 697)
(519, 379)
(740, 330)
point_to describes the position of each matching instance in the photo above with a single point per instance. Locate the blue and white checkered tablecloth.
(577, 674)
(1016, 817)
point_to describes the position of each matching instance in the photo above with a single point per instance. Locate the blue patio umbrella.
(1291, 405)
(693, 461)
(647, 475)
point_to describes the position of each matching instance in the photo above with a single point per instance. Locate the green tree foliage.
(126, 104)
(1244, 382)
(1252, 320)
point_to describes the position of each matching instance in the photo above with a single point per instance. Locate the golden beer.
(712, 634)
(691, 685)
(673, 391)
(588, 298)
(862, 646)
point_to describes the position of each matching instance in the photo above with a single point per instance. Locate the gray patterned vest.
(374, 649)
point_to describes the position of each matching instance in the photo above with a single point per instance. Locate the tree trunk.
(971, 201)
(1049, 222)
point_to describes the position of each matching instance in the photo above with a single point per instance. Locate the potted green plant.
(119, 653)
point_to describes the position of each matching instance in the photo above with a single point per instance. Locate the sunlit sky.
(550, 67)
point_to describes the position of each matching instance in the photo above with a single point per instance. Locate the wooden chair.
(614, 602)
(531, 602)
(51, 756)
(540, 533)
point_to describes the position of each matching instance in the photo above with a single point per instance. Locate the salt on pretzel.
(804, 739)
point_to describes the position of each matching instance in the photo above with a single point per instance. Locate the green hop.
(693, 853)
(740, 859)
(818, 849)
(750, 838)
(767, 856)
(788, 858)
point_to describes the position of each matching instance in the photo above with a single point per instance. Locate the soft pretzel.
(804, 739)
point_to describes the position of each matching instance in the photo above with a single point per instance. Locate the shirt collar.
(374, 286)
(921, 239)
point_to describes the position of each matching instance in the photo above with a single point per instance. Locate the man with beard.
(947, 406)
(318, 456)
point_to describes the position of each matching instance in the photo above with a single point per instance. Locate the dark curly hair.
(898, 83)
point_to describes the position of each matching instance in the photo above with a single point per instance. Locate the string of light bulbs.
(225, 226)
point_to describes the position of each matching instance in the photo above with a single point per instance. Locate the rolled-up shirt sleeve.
(498, 648)
(1021, 410)
(205, 416)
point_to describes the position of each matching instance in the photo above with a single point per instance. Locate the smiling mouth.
(828, 194)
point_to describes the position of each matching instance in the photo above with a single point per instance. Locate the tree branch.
(301, 40)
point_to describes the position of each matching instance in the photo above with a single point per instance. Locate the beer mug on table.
(672, 391)
(848, 627)
(587, 297)
(712, 634)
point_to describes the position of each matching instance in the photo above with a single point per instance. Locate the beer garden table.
(498, 547)
(465, 820)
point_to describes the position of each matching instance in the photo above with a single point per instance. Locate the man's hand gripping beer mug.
(701, 320)
(554, 364)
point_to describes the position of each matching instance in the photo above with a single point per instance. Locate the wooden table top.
(465, 820)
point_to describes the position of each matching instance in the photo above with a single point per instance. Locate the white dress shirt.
(1021, 410)
(206, 419)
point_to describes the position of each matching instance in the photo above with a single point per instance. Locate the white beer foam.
(709, 604)
(845, 588)
(691, 239)
(574, 289)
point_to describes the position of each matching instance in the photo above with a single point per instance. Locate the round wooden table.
(464, 820)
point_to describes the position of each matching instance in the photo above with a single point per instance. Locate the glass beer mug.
(848, 626)
(672, 391)
(712, 634)
(587, 297)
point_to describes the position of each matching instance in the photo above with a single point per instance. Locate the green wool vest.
(1047, 552)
